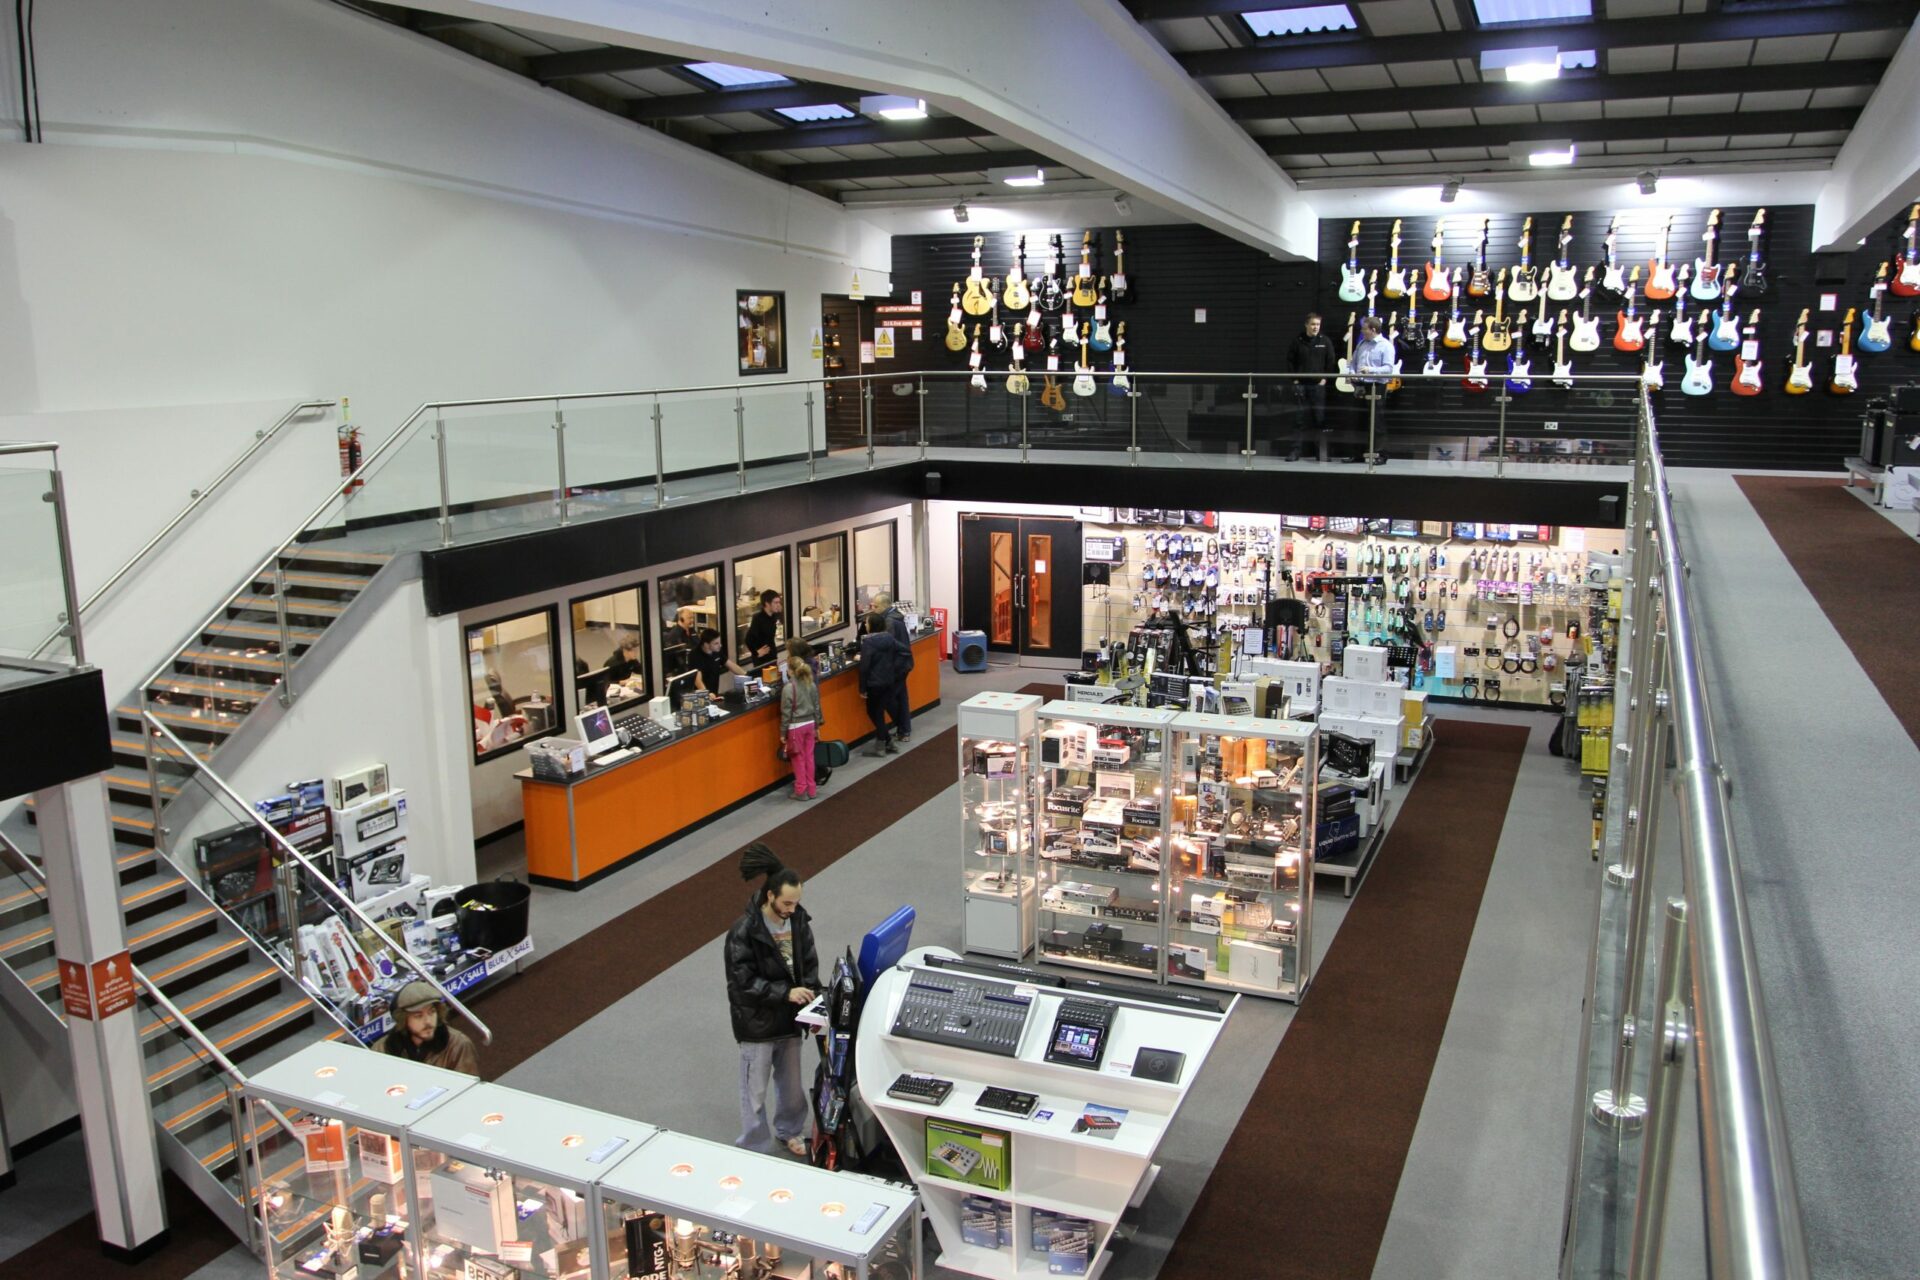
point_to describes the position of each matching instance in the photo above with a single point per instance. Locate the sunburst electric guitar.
(1456, 336)
(1396, 286)
(1800, 376)
(1480, 283)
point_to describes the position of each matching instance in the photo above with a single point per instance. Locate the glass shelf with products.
(1103, 779)
(1240, 828)
(997, 733)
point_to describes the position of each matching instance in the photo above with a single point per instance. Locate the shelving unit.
(997, 732)
(1051, 1168)
(1241, 831)
(1102, 783)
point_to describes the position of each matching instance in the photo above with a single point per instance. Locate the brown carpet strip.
(1307, 1180)
(1862, 571)
(195, 1238)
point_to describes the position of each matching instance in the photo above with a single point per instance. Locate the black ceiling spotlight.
(1451, 192)
(1648, 181)
(960, 212)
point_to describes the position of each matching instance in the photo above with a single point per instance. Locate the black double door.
(1020, 584)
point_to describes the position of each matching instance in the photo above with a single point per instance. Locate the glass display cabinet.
(1240, 835)
(1103, 779)
(326, 1128)
(997, 736)
(688, 1209)
(505, 1184)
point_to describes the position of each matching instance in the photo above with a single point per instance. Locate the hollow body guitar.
(977, 300)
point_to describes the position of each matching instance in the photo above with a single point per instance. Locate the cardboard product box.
(1209, 911)
(1414, 736)
(968, 1153)
(986, 1223)
(1339, 696)
(472, 1207)
(1254, 964)
(1381, 699)
(1413, 705)
(1446, 662)
(1365, 662)
(1187, 961)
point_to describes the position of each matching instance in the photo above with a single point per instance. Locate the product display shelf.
(337, 1204)
(1103, 783)
(997, 733)
(711, 1207)
(511, 1180)
(1241, 831)
(1050, 1168)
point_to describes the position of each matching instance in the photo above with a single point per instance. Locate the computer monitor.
(884, 944)
(729, 684)
(678, 686)
(595, 728)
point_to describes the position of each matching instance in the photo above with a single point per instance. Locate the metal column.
(98, 990)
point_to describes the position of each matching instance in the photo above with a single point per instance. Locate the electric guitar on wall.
(1036, 339)
(1846, 369)
(1393, 341)
(995, 334)
(1562, 366)
(1456, 327)
(1522, 286)
(1906, 279)
(1726, 325)
(1586, 326)
(1706, 271)
(1117, 285)
(1682, 334)
(1433, 366)
(1913, 336)
(1499, 331)
(956, 335)
(1563, 280)
(1015, 295)
(1613, 276)
(1877, 334)
(1543, 325)
(1083, 371)
(1753, 276)
(1018, 383)
(1373, 293)
(1049, 295)
(1051, 396)
(1438, 286)
(1660, 285)
(1800, 377)
(1653, 371)
(1520, 365)
(1102, 330)
(1343, 383)
(1396, 277)
(1476, 379)
(1353, 281)
(1699, 377)
(975, 362)
(1480, 283)
(1746, 365)
(1628, 336)
(1121, 382)
(1083, 283)
(976, 301)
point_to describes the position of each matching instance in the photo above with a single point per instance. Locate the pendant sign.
(856, 292)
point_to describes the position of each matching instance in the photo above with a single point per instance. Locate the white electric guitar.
(1396, 286)
(1682, 333)
(1543, 325)
(1477, 359)
(1846, 366)
(1586, 325)
(1121, 382)
(1653, 373)
(1353, 281)
(1699, 377)
(1456, 336)
(1562, 366)
(1083, 370)
(1706, 271)
(1343, 383)
(1563, 278)
(1433, 368)
(1614, 278)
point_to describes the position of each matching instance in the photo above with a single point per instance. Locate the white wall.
(1878, 167)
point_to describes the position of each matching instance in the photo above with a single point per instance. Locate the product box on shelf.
(1446, 662)
(968, 1153)
(1364, 662)
(1413, 737)
(1413, 706)
(1299, 681)
(986, 1223)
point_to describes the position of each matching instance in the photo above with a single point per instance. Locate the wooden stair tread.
(318, 581)
(264, 604)
(210, 657)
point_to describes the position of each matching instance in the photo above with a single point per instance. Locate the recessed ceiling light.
(893, 106)
(1550, 155)
(728, 76)
(1301, 20)
(1025, 175)
(681, 1170)
(1536, 62)
(820, 111)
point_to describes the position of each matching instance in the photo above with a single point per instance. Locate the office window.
(610, 649)
(822, 602)
(873, 565)
(510, 668)
(689, 603)
(753, 576)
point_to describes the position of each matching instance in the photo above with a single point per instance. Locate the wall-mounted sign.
(883, 344)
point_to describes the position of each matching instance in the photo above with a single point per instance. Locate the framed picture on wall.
(762, 321)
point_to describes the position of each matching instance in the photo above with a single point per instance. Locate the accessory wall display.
(997, 735)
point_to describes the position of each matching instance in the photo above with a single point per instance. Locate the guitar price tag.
(1053, 363)
(973, 361)
(1824, 338)
(1100, 311)
(1750, 351)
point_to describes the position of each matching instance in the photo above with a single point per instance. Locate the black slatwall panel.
(1256, 305)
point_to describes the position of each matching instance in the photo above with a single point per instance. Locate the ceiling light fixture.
(1534, 64)
(1649, 182)
(1550, 155)
(960, 212)
(893, 106)
(1451, 192)
(1024, 175)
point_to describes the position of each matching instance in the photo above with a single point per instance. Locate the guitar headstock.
(1396, 232)
(1713, 224)
(1759, 220)
(1566, 229)
(1753, 319)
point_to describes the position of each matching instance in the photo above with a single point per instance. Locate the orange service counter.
(581, 830)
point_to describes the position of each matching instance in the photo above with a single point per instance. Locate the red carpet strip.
(1862, 571)
(1306, 1182)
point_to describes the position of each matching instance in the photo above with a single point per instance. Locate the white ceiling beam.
(1877, 172)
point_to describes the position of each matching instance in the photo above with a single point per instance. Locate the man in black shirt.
(763, 633)
(1311, 352)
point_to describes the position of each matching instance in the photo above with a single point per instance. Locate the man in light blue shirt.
(1373, 362)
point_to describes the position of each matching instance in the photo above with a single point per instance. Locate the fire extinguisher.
(349, 438)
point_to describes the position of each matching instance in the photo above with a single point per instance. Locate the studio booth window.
(823, 584)
(759, 624)
(609, 649)
(689, 603)
(510, 666)
(873, 565)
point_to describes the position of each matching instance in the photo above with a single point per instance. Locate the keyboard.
(994, 1098)
(928, 1089)
(643, 732)
(615, 757)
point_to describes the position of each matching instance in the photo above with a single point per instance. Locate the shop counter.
(596, 823)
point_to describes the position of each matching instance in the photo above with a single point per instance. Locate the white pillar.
(97, 986)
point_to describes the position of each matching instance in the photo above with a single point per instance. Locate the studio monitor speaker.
(933, 484)
(970, 651)
(1158, 1064)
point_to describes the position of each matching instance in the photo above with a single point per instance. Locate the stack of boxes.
(1364, 703)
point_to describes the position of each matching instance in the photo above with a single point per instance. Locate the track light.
(1122, 206)
(1648, 182)
(960, 212)
(1451, 192)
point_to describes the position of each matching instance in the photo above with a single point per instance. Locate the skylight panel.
(728, 76)
(1495, 11)
(1293, 22)
(823, 111)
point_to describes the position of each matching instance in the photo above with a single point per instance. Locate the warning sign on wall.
(75, 995)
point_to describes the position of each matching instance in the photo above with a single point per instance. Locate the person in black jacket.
(773, 972)
(1311, 352)
(883, 663)
(897, 628)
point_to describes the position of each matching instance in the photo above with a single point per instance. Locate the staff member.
(773, 971)
(1311, 352)
(1373, 362)
(763, 633)
(710, 661)
(421, 1034)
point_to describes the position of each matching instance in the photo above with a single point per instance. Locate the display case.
(326, 1128)
(1241, 830)
(998, 732)
(699, 1210)
(505, 1182)
(1102, 774)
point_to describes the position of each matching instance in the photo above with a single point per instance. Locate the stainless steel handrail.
(1753, 1207)
(28, 446)
(353, 908)
(179, 1020)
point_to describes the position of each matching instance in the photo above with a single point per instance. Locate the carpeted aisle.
(194, 1238)
(1863, 572)
(1306, 1183)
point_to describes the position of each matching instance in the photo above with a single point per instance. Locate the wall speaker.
(1158, 1064)
(970, 652)
(933, 484)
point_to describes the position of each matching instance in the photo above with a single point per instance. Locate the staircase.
(235, 995)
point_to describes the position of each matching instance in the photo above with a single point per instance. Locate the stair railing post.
(1247, 452)
(810, 458)
(920, 395)
(659, 457)
(286, 694)
(740, 438)
(1500, 463)
(57, 495)
(151, 755)
(1023, 424)
(440, 448)
(1133, 425)
(560, 461)
(1663, 1097)
(866, 402)
(246, 1148)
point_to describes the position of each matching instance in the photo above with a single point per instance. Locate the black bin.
(501, 923)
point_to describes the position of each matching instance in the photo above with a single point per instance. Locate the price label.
(1053, 364)
(1750, 351)
(516, 1251)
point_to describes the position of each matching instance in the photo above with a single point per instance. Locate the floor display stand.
(997, 734)
(1083, 1088)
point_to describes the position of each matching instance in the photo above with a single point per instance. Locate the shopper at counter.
(800, 720)
(773, 971)
(882, 660)
(763, 633)
(421, 1034)
(897, 628)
